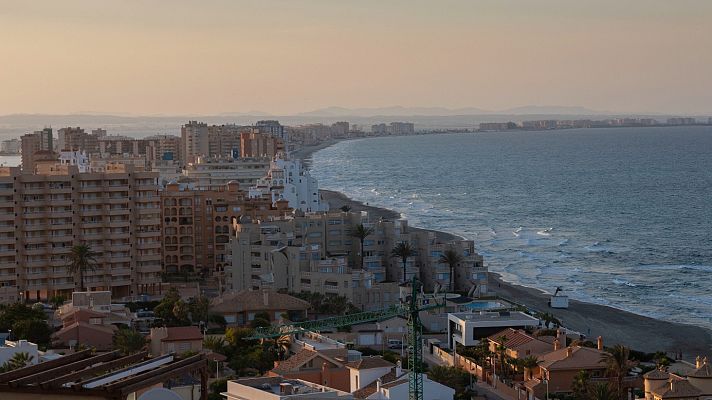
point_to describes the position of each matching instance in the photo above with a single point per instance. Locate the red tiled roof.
(106, 329)
(303, 356)
(677, 389)
(514, 338)
(183, 333)
(83, 312)
(257, 300)
(580, 358)
(369, 363)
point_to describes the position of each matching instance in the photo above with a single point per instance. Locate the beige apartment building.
(316, 252)
(34, 143)
(116, 213)
(199, 139)
(196, 225)
(209, 172)
(256, 144)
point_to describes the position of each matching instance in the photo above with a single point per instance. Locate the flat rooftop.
(494, 316)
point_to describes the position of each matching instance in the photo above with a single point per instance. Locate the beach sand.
(614, 325)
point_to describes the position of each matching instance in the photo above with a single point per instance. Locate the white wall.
(21, 346)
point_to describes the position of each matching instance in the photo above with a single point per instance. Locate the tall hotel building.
(42, 215)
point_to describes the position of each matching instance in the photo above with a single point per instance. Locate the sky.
(173, 57)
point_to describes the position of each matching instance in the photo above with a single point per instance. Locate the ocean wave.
(622, 282)
(545, 232)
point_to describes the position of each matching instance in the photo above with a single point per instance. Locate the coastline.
(615, 326)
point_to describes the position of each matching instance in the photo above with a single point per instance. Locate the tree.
(451, 257)
(215, 344)
(128, 341)
(170, 311)
(529, 363)
(18, 360)
(261, 320)
(361, 232)
(198, 308)
(601, 391)
(180, 313)
(550, 319)
(33, 330)
(12, 313)
(581, 386)
(81, 260)
(453, 377)
(403, 250)
(283, 344)
(57, 301)
(618, 364)
(502, 351)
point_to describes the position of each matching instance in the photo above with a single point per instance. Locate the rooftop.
(495, 316)
(369, 363)
(257, 300)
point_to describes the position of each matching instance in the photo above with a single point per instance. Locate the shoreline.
(638, 332)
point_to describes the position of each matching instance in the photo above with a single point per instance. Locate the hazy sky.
(205, 57)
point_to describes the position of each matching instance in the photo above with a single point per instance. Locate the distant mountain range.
(442, 111)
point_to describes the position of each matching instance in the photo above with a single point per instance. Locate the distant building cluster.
(587, 123)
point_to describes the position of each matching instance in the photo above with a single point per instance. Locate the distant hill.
(552, 110)
(392, 111)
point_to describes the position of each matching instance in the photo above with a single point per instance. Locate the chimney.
(399, 369)
(557, 344)
(569, 351)
(561, 336)
(599, 343)
(672, 385)
(698, 362)
(378, 385)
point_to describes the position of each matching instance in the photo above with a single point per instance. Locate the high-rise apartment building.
(196, 225)
(213, 172)
(116, 213)
(256, 144)
(32, 144)
(199, 139)
(272, 127)
(71, 139)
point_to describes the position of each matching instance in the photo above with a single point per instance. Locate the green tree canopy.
(129, 341)
(34, 330)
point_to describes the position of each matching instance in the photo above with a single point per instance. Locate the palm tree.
(451, 257)
(529, 363)
(283, 344)
(215, 344)
(403, 250)
(618, 365)
(580, 385)
(601, 391)
(128, 341)
(81, 259)
(361, 232)
(18, 360)
(549, 319)
(502, 351)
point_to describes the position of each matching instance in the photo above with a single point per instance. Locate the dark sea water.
(620, 217)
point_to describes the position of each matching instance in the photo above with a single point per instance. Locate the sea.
(614, 216)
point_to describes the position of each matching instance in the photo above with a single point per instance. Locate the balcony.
(119, 211)
(92, 200)
(7, 228)
(91, 212)
(116, 188)
(117, 200)
(151, 245)
(149, 268)
(35, 239)
(90, 189)
(148, 234)
(35, 252)
(7, 240)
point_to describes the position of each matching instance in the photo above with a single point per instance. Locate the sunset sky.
(282, 57)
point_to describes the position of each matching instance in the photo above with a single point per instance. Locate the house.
(468, 328)
(662, 385)
(376, 378)
(519, 344)
(9, 349)
(558, 368)
(325, 367)
(178, 339)
(240, 308)
(86, 327)
(280, 388)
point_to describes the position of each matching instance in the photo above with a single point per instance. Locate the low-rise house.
(86, 327)
(376, 378)
(519, 344)
(662, 385)
(280, 388)
(558, 368)
(178, 339)
(469, 328)
(326, 367)
(241, 308)
(10, 348)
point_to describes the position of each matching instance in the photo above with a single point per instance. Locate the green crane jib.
(409, 309)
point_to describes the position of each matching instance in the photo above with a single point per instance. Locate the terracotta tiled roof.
(257, 300)
(402, 379)
(182, 333)
(657, 374)
(677, 389)
(369, 362)
(703, 372)
(371, 388)
(514, 338)
(107, 329)
(521, 342)
(82, 312)
(303, 356)
(580, 358)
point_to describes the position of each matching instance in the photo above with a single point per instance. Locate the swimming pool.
(485, 305)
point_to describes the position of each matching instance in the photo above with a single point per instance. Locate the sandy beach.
(614, 325)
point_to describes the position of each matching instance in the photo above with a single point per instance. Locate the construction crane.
(408, 309)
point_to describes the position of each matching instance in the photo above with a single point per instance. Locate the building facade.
(116, 213)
